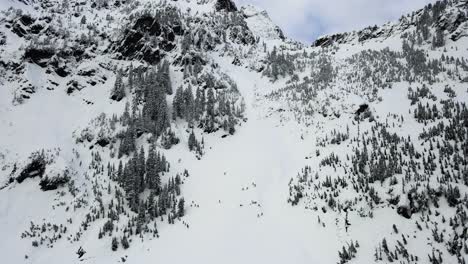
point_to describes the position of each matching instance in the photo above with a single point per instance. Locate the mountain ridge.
(451, 24)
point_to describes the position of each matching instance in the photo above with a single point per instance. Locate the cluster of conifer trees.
(348, 254)
(364, 73)
(279, 64)
(210, 108)
(425, 174)
(140, 171)
(149, 111)
(139, 175)
(205, 109)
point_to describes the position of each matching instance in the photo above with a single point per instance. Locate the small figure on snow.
(80, 252)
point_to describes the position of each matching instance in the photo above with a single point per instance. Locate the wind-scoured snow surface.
(352, 150)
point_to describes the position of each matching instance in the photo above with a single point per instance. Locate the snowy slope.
(270, 169)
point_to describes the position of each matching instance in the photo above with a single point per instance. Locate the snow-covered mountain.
(195, 131)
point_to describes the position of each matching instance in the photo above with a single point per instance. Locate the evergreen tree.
(192, 142)
(168, 139)
(189, 105)
(83, 20)
(181, 208)
(164, 77)
(131, 77)
(127, 144)
(199, 104)
(155, 112)
(210, 111)
(178, 103)
(438, 40)
(118, 92)
(115, 244)
(152, 175)
(124, 242)
(140, 170)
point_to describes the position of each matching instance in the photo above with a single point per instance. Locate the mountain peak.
(260, 23)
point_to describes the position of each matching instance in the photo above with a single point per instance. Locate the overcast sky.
(305, 20)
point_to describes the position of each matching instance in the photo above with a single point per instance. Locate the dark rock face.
(458, 35)
(39, 56)
(116, 97)
(59, 66)
(451, 24)
(74, 85)
(87, 72)
(149, 38)
(226, 5)
(340, 38)
(148, 24)
(34, 169)
(26, 2)
(26, 20)
(62, 72)
(56, 60)
(327, 41)
(19, 30)
(21, 26)
(36, 29)
(280, 33)
(242, 35)
(49, 184)
(369, 33)
(27, 25)
(140, 132)
(103, 142)
(404, 211)
(362, 109)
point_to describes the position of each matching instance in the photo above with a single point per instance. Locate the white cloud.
(307, 19)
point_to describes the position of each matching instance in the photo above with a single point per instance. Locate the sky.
(305, 20)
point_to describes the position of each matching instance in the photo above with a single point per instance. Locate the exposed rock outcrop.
(53, 183)
(149, 38)
(35, 168)
(226, 5)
